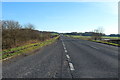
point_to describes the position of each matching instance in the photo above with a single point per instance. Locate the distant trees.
(114, 35)
(14, 34)
(94, 33)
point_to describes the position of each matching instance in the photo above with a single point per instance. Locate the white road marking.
(94, 47)
(71, 66)
(64, 47)
(63, 44)
(68, 56)
(65, 50)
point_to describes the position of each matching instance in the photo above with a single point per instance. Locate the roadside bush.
(14, 34)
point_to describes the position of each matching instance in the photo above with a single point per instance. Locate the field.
(99, 41)
(111, 37)
(88, 37)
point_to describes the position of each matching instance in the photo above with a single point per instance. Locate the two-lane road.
(66, 58)
(92, 60)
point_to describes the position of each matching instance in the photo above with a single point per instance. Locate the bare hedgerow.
(14, 34)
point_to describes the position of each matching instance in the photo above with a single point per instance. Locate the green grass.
(79, 37)
(54, 33)
(89, 38)
(26, 48)
(106, 43)
(111, 37)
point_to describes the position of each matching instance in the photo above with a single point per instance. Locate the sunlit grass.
(88, 37)
(100, 41)
(26, 48)
(111, 37)
(79, 37)
(106, 43)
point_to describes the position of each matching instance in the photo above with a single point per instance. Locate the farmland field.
(77, 36)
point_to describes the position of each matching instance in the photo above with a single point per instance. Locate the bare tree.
(10, 32)
(29, 26)
(13, 34)
(98, 33)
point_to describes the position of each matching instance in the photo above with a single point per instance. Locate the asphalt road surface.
(66, 58)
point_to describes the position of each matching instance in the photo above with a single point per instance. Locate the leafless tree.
(9, 32)
(14, 34)
(98, 33)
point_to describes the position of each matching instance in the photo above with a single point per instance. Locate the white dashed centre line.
(68, 56)
(63, 44)
(65, 50)
(71, 66)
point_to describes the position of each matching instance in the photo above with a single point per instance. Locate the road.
(66, 58)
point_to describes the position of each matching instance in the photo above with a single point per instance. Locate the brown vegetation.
(13, 34)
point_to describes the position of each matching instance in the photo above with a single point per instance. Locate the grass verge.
(89, 38)
(26, 48)
(108, 43)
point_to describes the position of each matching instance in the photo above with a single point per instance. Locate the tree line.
(96, 34)
(13, 34)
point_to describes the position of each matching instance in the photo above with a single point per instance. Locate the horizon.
(64, 17)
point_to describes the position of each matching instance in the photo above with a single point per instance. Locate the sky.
(59, 0)
(64, 16)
